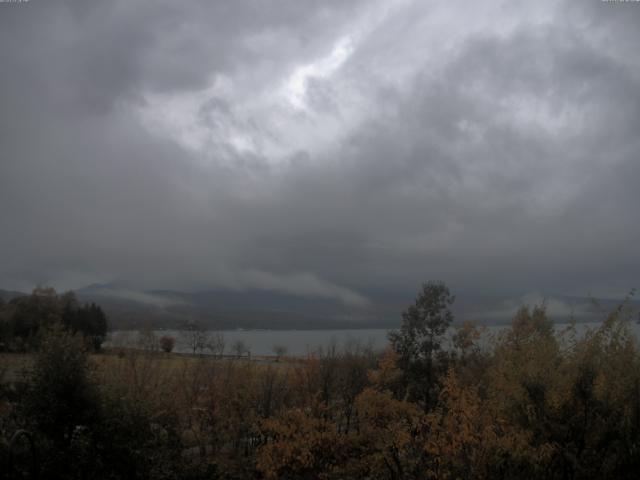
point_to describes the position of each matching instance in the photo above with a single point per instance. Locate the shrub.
(167, 343)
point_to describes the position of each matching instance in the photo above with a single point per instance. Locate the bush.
(63, 401)
(167, 343)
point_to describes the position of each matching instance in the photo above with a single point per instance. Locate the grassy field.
(15, 367)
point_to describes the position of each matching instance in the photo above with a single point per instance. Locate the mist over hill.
(260, 309)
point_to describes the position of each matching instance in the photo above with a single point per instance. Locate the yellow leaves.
(296, 442)
(389, 430)
(380, 409)
(388, 373)
(461, 430)
(467, 337)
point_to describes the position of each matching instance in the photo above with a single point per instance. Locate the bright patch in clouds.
(296, 87)
(232, 117)
(272, 119)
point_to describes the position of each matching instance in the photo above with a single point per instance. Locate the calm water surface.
(304, 342)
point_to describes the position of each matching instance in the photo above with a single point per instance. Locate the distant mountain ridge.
(262, 309)
(7, 295)
(223, 309)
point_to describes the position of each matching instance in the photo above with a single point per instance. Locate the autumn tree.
(466, 339)
(388, 375)
(468, 353)
(167, 343)
(464, 437)
(299, 445)
(389, 438)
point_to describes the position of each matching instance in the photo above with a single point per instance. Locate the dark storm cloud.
(320, 149)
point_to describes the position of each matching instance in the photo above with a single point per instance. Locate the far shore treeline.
(23, 317)
(534, 403)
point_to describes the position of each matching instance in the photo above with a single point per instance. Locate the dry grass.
(14, 367)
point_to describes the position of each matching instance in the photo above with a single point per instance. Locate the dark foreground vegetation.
(534, 404)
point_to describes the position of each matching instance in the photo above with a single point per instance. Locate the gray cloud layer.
(323, 148)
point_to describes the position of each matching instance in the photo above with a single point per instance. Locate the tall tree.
(419, 339)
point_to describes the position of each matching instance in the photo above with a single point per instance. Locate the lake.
(262, 342)
(304, 342)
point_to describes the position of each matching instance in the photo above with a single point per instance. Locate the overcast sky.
(323, 148)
